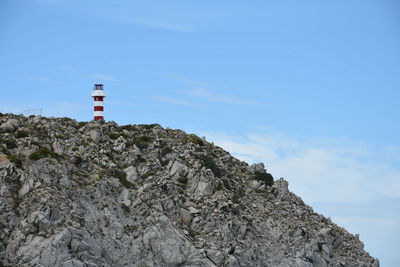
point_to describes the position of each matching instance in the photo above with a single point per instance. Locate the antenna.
(32, 110)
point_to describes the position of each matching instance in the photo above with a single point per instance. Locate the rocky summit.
(98, 194)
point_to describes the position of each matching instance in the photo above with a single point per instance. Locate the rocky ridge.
(98, 194)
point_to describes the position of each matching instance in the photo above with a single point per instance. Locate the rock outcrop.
(99, 194)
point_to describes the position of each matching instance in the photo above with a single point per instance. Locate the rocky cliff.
(98, 194)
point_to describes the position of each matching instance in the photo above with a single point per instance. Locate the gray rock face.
(90, 194)
(257, 167)
(9, 125)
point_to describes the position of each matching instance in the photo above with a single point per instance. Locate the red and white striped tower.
(98, 96)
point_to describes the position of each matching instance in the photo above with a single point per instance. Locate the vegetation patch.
(5, 151)
(114, 136)
(219, 187)
(17, 202)
(196, 140)
(239, 193)
(128, 127)
(80, 173)
(130, 228)
(151, 172)
(121, 175)
(226, 184)
(16, 160)
(209, 162)
(182, 180)
(78, 160)
(22, 134)
(36, 156)
(125, 208)
(43, 153)
(264, 177)
(148, 126)
(41, 133)
(11, 143)
(192, 233)
(80, 125)
(142, 141)
(165, 151)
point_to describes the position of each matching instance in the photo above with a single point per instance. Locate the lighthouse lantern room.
(98, 96)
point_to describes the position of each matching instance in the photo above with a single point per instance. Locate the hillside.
(98, 194)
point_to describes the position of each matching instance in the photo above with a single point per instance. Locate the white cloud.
(196, 84)
(320, 170)
(67, 68)
(104, 77)
(175, 101)
(355, 184)
(156, 23)
(38, 78)
(218, 98)
(202, 90)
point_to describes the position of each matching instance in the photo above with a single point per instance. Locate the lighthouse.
(98, 96)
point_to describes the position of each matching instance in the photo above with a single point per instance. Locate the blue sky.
(311, 88)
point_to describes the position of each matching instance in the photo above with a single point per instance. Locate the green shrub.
(226, 184)
(192, 233)
(148, 126)
(182, 180)
(81, 124)
(17, 200)
(78, 160)
(140, 159)
(264, 177)
(43, 153)
(36, 156)
(219, 187)
(121, 175)
(11, 143)
(196, 140)
(41, 133)
(151, 172)
(166, 150)
(84, 143)
(110, 156)
(128, 127)
(125, 208)
(142, 141)
(22, 134)
(16, 160)
(239, 193)
(5, 150)
(209, 162)
(114, 135)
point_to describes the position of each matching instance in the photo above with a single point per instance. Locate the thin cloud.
(202, 90)
(129, 104)
(38, 78)
(66, 68)
(175, 101)
(158, 24)
(70, 106)
(318, 171)
(104, 77)
(219, 98)
(197, 84)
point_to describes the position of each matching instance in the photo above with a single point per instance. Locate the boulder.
(10, 125)
(257, 167)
